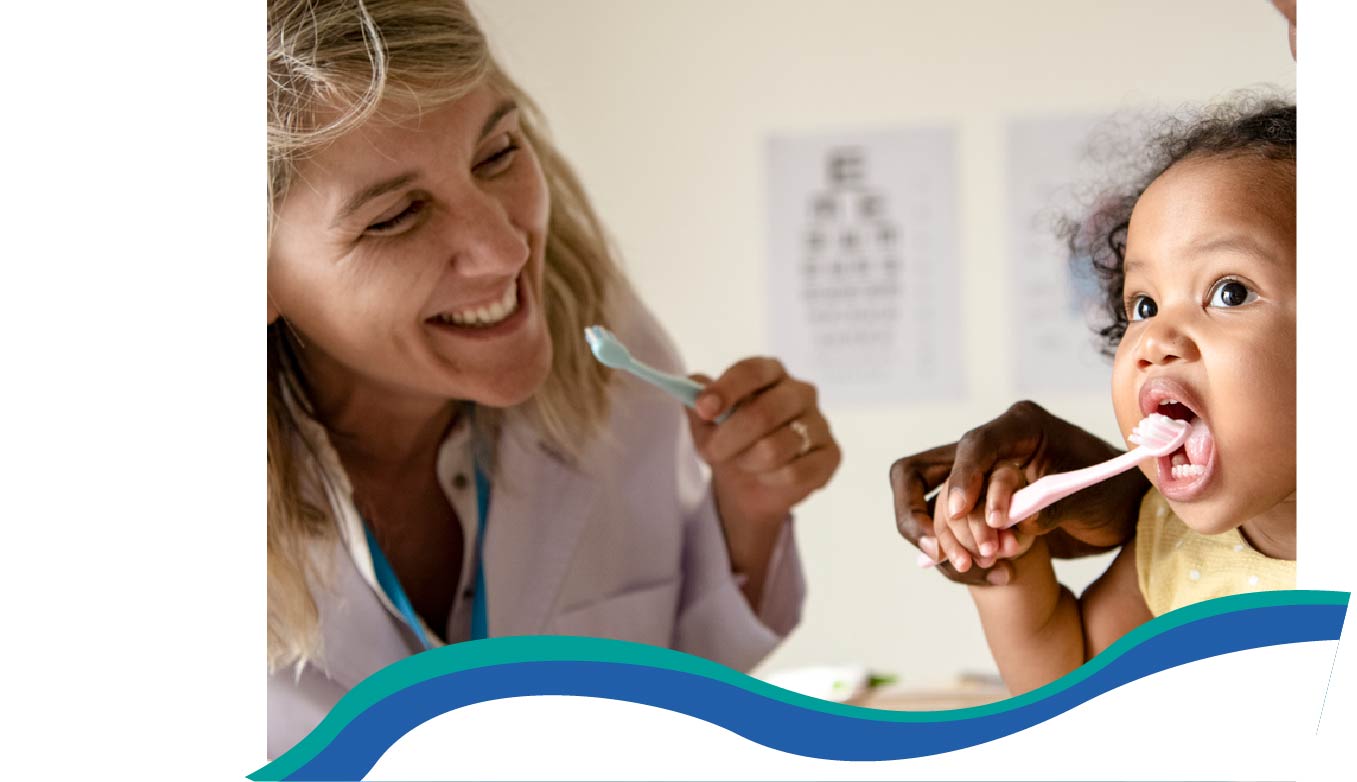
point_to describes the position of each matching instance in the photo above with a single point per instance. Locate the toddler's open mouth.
(1184, 473)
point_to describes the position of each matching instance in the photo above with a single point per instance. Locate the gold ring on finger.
(804, 431)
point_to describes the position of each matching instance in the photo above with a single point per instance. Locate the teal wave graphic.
(398, 698)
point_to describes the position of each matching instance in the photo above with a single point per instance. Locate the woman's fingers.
(800, 436)
(768, 414)
(786, 444)
(741, 380)
(813, 469)
(771, 448)
(772, 451)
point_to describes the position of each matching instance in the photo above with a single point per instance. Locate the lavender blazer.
(627, 545)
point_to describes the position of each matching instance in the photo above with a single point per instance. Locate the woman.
(446, 460)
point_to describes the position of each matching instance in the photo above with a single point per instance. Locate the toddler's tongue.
(1199, 443)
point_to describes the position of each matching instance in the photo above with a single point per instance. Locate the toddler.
(1198, 263)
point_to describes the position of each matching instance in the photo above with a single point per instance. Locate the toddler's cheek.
(1150, 469)
(1125, 398)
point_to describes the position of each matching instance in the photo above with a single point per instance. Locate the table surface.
(961, 695)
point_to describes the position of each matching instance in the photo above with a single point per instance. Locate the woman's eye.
(391, 224)
(499, 160)
(1142, 307)
(1231, 293)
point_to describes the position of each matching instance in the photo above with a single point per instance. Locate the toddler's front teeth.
(1187, 470)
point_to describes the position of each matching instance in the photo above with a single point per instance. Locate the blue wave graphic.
(804, 726)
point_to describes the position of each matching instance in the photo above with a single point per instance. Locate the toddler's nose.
(1164, 342)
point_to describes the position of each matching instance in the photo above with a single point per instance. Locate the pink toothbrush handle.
(1050, 488)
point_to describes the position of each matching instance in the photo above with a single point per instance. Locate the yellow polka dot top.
(1179, 567)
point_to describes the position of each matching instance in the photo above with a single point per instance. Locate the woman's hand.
(989, 463)
(773, 450)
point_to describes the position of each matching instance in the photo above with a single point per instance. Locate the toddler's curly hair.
(1250, 125)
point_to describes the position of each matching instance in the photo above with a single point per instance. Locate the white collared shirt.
(624, 542)
(455, 471)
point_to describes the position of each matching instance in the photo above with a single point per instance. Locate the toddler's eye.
(1142, 307)
(1231, 293)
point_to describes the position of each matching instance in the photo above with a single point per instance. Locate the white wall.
(664, 108)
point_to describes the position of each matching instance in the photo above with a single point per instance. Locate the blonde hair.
(333, 65)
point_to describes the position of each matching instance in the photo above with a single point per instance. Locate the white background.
(133, 257)
(1050, 168)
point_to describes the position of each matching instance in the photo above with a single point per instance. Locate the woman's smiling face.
(1211, 297)
(408, 256)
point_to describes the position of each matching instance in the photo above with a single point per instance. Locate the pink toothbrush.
(1156, 435)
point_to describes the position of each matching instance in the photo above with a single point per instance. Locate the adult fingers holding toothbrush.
(769, 447)
(967, 541)
(979, 474)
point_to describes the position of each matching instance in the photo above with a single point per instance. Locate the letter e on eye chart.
(1050, 173)
(863, 280)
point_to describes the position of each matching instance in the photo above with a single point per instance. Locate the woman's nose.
(1163, 342)
(483, 238)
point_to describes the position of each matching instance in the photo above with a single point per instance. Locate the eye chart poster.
(863, 270)
(1055, 347)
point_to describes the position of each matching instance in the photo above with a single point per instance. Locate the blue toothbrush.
(610, 352)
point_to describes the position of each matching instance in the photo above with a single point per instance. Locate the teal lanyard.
(386, 576)
(386, 579)
(480, 620)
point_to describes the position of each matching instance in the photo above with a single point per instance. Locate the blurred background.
(668, 111)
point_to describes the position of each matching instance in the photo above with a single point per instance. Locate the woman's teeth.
(485, 315)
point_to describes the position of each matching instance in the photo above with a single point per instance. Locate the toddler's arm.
(1038, 630)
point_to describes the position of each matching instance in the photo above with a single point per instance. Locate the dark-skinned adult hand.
(995, 459)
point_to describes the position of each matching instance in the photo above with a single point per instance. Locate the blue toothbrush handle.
(681, 388)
